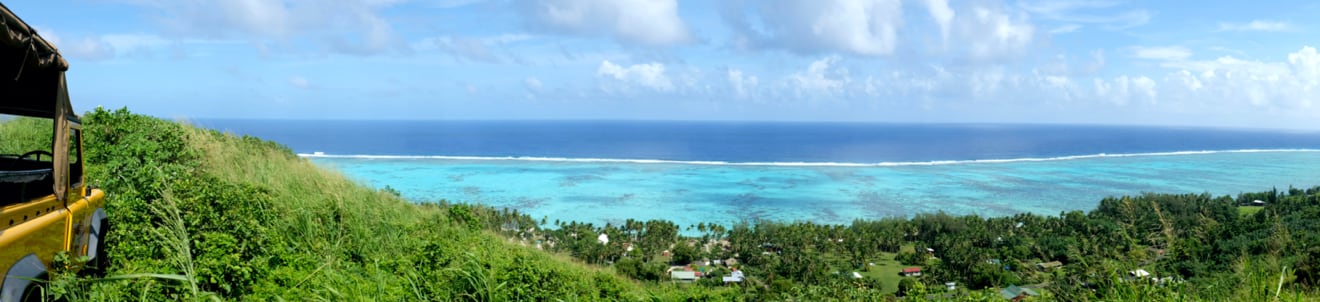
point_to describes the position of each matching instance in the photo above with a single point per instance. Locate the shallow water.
(602, 191)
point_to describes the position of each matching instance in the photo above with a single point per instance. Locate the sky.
(1183, 63)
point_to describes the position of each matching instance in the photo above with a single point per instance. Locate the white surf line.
(797, 164)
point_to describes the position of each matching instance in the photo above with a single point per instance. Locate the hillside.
(200, 214)
(203, 215)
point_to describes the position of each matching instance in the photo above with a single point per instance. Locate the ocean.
(724, 172)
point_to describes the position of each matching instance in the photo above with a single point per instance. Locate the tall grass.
(23, 134)
(173, 235)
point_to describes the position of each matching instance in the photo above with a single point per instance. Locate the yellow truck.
(46, 207)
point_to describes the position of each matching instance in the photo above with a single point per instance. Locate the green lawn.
(887, 269)
(1248, 210)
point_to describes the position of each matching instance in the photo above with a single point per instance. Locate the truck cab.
(46, 206)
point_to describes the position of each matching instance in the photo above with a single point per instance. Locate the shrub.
(684, 253)
(911, 258)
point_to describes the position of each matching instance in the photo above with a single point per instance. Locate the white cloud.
(1228, 65)
(131, 42)
(1103, 13)
(1123, 90)
(651, 75)
(1164, 53)
(743, 85)
(1305, 65)
(534, 88)
(1255, 25)
(126, 45)
(1103, 88)
(859, 27)
(1228, 81)
(943, 15)
(1190, 90)
(1098, 61)
(1064, 29)
(348, 26)
(1057, 81)
(533, 84)
(987, 83)
(871, 28)
(644, 22)
(85, 48)
(993, 32)
(1062, 9)
(483, 49)
(906, 84)
(300, 82)
(1229, 50)
(456, 3)
(1143, 86)
(821, 79)
(1187, 79)
(461, 47)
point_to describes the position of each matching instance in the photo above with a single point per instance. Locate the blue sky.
(1195, 63)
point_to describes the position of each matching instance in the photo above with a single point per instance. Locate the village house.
(683, 276)
(736, 276)
(911, 272)
(1049, 265)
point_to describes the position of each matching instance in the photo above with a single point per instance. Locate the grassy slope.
(265, 224)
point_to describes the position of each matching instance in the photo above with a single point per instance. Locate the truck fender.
(20, 276)
(98, 233)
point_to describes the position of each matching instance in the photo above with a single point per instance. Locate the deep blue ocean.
(689, 172)
(748, 141)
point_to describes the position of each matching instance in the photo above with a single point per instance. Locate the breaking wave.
(796, 164)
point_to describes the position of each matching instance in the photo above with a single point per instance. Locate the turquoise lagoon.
(611, 191)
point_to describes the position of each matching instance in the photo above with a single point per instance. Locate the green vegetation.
(200, 215)
(23, 134)
(1248, 210)
(886, 270)
(1131, 248)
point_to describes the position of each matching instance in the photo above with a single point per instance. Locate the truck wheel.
(102, 261)
(33, 292)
